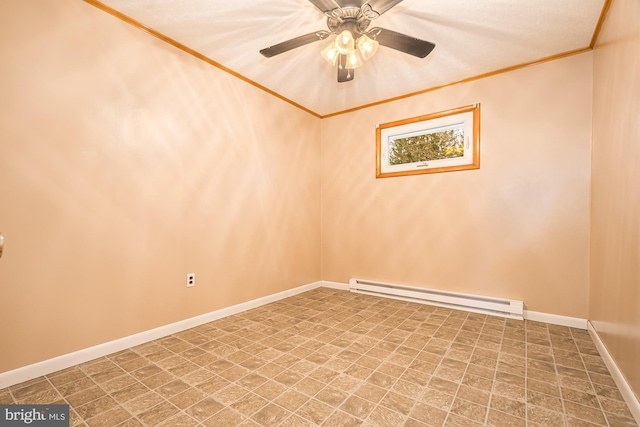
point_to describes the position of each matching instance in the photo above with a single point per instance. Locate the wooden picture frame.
(440, 142)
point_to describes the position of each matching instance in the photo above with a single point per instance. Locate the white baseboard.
(335, 285)
(556, 319)
(625, 389)
(49, 366)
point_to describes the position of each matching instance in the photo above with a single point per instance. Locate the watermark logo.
(34, 415)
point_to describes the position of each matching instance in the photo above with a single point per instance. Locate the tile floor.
(334, 358)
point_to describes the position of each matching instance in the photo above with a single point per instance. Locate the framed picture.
(439, 142)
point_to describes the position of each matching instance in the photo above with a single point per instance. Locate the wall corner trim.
(623, 385)
(64, 361)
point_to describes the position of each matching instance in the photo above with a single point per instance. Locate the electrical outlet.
(191, 280)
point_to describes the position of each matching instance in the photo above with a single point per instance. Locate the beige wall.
(615, 208)
(126, 164)
(516, 228)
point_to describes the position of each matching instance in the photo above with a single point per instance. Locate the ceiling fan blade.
(381, 6)
(325, 5)
(402, 42)
(294, 43)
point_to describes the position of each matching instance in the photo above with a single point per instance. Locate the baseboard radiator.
(473, 303)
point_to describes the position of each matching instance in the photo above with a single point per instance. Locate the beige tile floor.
(334, 358)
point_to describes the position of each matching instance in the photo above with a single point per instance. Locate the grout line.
(526, 377)
(495, 373)
(455, 395)
(555, 366)
(604, 415)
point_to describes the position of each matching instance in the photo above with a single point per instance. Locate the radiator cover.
(459, 301)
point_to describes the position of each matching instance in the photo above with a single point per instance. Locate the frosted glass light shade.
(353, 60)
(367, 47)
(344, 42)
(330, 53)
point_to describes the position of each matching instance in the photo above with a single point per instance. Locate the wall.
(126, 164)
(516, 228)
(615, 208)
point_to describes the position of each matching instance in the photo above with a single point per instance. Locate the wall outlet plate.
(191, 280)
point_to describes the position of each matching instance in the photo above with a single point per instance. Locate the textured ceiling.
(472, 37)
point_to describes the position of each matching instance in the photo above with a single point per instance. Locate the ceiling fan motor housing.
(347, 18)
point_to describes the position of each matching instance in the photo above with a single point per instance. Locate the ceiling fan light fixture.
(366, 46)
(354, 42)
(353, 60)
(344, 42)
(330, 53)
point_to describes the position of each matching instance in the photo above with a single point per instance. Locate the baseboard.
(625, 389)
(49, 366)
(556, 319)
(335, 285)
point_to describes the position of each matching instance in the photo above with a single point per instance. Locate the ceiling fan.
(350, 20)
